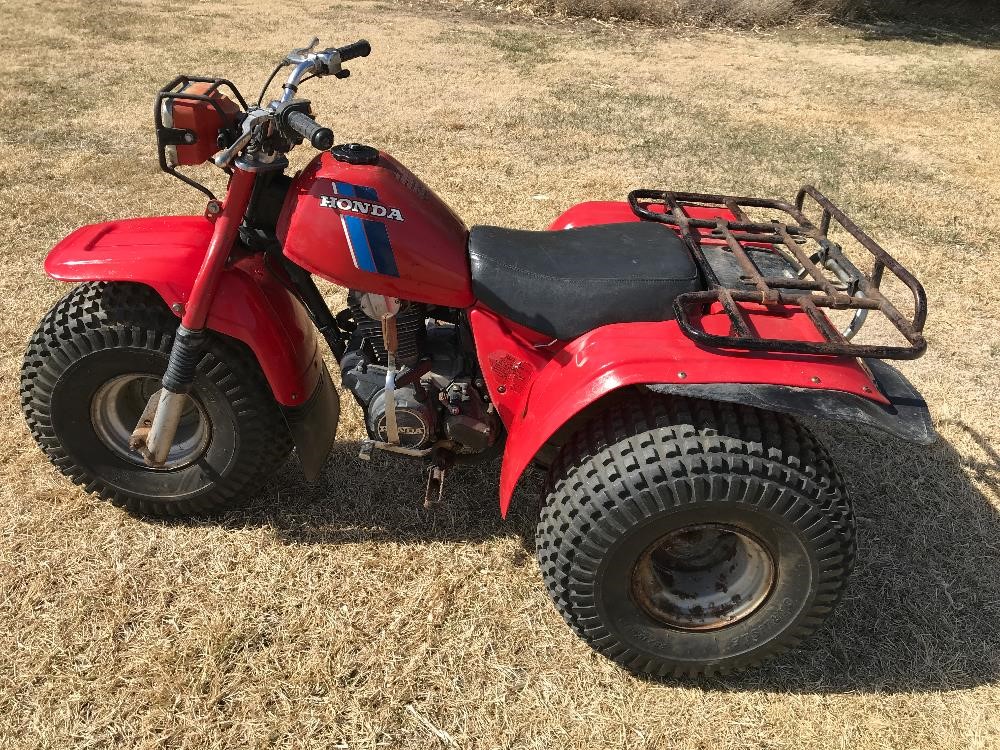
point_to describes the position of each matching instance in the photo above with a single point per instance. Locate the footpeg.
(435, 487)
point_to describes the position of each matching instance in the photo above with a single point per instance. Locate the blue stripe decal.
(366, 193)
(345, 189)
(369, 239)
(356, 235)
(378, 241)
(359, 242)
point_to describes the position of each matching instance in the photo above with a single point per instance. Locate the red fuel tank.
(376, 227)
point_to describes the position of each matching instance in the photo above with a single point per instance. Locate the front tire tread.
(113, 315)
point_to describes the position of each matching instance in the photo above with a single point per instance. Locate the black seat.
(567, 282)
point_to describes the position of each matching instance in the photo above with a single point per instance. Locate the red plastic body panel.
(376, 227)
(538, 385)
(250, 304)
(537, 390)
(595, 212)
(618, 212)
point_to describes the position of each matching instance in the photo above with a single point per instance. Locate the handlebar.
(327, 62)
(321, 138)
(360, 48)
(307, 64)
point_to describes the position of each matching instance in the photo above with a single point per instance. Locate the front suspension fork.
(157, 427)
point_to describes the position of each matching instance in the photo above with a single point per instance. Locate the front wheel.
(90, 369)
(685, 538)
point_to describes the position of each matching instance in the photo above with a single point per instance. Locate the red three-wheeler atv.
(654, 355)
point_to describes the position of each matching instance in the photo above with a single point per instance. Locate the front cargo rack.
(791, 266)
(168, 136)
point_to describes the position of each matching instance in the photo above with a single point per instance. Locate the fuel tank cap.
(355, 153)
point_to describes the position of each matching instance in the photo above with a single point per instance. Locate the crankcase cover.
(415, 420)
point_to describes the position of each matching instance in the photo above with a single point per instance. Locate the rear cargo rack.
(813, 272)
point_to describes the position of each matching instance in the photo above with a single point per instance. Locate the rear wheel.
(683, 537)
(89, 371)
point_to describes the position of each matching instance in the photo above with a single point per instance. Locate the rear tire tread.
(608, 475)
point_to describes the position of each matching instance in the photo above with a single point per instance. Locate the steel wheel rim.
(116, 407)
(703, 577)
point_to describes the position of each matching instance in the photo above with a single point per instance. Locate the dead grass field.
(750, 13)
(341, 615)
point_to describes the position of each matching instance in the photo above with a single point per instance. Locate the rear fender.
(538, 389)
(906, 415)
(590, 213)
(250, 305)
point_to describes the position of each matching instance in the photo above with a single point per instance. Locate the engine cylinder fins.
(410, 331)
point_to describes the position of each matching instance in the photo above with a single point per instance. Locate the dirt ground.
(342, 615)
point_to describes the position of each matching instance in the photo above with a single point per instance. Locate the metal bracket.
(370, 446)
(154, 432)
(389, 336)
(177, 136)
(139, 442)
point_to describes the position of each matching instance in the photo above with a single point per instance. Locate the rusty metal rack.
(813, 272)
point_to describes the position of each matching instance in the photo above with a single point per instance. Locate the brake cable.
(270, 79)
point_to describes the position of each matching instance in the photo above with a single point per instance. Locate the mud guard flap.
(907, 416)
(313, 425)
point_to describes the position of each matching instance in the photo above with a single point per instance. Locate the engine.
(439, 396)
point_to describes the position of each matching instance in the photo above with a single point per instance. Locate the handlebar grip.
(360, 48)
(320, 137)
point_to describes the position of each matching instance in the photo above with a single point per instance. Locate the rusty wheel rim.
(703, 577)
(117, 406)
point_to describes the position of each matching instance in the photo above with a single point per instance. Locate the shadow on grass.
(382, 500)
(922, 609)
(971, 32)
(921, 613)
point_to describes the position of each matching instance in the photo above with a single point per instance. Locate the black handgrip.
(312, 131)
(360, 48)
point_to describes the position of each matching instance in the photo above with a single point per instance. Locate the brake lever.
(302, 51)
(250, 122)
(223, 158)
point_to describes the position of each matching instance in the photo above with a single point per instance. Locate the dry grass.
(341, 614)
(755, 13)
(741, 12)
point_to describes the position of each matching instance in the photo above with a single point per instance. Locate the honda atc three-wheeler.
(653, 356)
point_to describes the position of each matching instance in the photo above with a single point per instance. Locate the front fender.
(549, 393)
(250, 305)
(165, 253)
